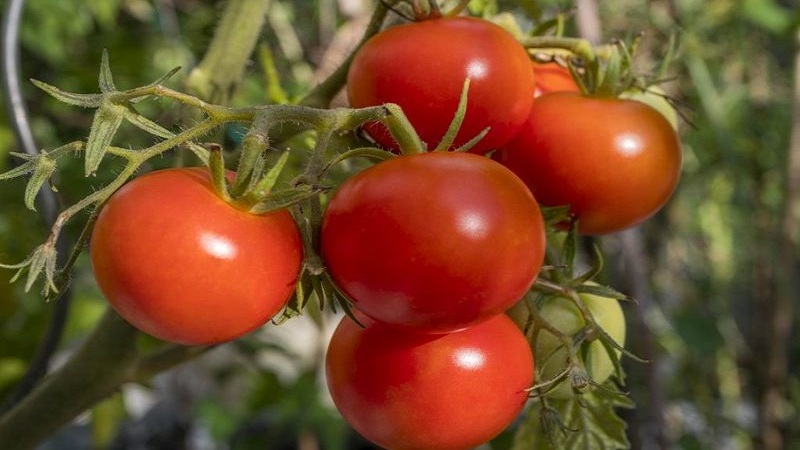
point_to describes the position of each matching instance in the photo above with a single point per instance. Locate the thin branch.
(46, 199)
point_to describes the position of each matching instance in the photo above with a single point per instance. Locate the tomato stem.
(403, 132)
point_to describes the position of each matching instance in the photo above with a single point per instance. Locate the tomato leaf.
(589, 423)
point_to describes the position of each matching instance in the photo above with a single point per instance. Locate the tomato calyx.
(600, 71)
(420, 10)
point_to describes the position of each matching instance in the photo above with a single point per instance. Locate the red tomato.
(615, 162)
(422, 67)
(181, 264)
(553, 77)
(433, 241)
(409, 391)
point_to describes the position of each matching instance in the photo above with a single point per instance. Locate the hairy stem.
(234, 40)
(94, 372)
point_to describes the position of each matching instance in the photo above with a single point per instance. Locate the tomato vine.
(256, 187)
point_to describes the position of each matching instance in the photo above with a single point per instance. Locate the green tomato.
(551, 355)
(656, 98)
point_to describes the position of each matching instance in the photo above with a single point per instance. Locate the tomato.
(553, 77)
(408, 391)
(422, 67)
(562, 313)
(434, 241)
(181, 264)
(615, 162)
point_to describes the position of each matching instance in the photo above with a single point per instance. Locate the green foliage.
(588, 422)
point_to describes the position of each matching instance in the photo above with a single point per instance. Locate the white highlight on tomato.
(629, 144)
(218, 246)
(472, 225)
(477, 70)
(470, 359)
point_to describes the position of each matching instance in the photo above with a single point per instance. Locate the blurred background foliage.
(712, 272)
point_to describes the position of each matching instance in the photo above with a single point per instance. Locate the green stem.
(94, 372)
(234, 41)
(106, 360)
(324, 92)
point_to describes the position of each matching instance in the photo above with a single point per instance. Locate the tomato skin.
(553, 77)
(616, 162)
(179, 263)
(433, 241)
(409, 391)
(422, 67)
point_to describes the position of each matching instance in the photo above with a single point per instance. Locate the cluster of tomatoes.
(431, 247)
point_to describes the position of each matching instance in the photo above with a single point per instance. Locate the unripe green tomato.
(656, 98)
(551, 355)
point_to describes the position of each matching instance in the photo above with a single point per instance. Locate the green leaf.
(588, 423)
(767, 14)
(70, 98)
(106, 122)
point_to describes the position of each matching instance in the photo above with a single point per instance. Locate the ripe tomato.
(181, 264)
(564, 315)
(409, 391)
(422, 67)
(553, 77)
(615, 162)
(433, 241)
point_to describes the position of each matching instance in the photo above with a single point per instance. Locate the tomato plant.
(434, 241)
(435, 58)
(181, 264)
(553, 77)
(565, 316)
(615, 162)
(408, 391)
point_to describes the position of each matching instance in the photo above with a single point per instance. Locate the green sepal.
(602, 291)
(259, 191)
(145, 124)
(373, 153)
(70, 98)
(473, 142)
(107, 121)
(216, 167)
(22, 169)
(594, 269)
(285, 198)
(458, 118)
(42, 260)
(43, 169)
(555, 214)
(402, 131)
(588, 422)
(106, 81)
